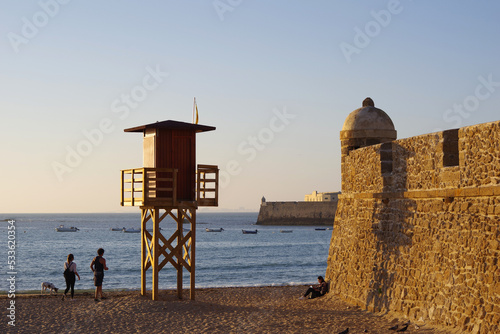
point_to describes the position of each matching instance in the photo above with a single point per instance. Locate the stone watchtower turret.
(364, 127)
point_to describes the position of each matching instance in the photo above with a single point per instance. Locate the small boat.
(132, 230)
(117, 229)
(320, 229)
(249, 231)
(286, 231)
(61, 228)
(214, 229)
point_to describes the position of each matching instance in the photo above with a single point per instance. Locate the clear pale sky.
(277, 79)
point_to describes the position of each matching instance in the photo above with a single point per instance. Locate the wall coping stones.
(484, 191)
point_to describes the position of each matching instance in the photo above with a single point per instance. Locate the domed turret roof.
(368, 118)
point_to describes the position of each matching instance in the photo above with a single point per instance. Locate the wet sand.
(215, 310)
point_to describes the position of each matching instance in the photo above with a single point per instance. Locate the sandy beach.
(216, 310)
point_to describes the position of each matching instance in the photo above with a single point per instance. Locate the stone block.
(386, 154)
(471, 192)
(386, 166)
(496, 191)
(464, 320)
(486, 191)
(488, 307)
(450, 176)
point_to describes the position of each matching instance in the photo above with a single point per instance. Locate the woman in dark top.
(316, 291)
(69, 276)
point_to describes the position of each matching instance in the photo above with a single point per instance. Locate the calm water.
(224, 259)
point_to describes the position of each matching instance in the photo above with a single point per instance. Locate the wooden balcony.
(208, 185)
(158, 186)
(149, 187)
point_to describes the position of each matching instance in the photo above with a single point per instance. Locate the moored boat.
(61, 228)
(320, 229)
(249, 231)
(214, 229)
(132, 230)
(286, 231)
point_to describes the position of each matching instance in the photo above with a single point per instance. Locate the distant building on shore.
(317, 209)
(321, 197)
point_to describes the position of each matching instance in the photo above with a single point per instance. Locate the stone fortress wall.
(297, 213)
(417, 227)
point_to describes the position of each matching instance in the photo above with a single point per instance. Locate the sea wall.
(297, 213)
(417, 229)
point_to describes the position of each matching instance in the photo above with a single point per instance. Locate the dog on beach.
(48, 286)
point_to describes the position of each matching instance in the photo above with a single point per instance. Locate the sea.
(223, 259)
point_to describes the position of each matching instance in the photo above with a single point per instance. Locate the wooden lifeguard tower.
(169, 184)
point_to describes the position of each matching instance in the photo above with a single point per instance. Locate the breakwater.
(297, 213)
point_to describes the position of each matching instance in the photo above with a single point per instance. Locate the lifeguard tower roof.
(172, 125)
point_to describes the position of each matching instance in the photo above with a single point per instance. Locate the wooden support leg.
(180, 221)
(150, 248)
(193, 244)
(144, 213)
(155, 255)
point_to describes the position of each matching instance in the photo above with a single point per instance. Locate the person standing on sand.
(98, 265)
(70, 276)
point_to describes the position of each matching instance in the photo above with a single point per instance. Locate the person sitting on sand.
(317, 290)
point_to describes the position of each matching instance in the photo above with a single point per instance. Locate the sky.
(276, 78)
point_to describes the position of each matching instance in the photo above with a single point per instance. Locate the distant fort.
(417, 228)
(317, 209)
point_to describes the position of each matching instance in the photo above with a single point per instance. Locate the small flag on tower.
(195, 109)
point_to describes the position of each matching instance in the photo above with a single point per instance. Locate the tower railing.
(148, 186)
(208, 185)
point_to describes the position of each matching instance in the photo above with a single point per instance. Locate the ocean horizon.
(223, 259)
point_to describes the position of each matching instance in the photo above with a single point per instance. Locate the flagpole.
(194, 104)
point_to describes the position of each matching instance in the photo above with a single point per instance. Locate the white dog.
(48, 286)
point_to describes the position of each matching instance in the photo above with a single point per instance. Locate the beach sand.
(215, 310)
